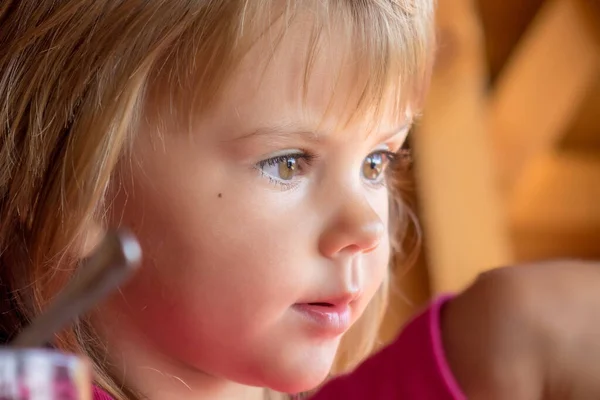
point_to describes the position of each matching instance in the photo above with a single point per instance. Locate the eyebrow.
(286, 130)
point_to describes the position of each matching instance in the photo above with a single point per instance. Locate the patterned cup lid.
(40, 374)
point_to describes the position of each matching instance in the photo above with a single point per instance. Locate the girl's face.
(265, 231)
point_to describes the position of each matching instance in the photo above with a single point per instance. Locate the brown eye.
(373, 166)
(283, 168)
(287, 168)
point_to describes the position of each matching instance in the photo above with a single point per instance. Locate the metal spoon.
(116, 258)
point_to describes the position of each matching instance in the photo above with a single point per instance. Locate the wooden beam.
(464, 229)
(560, 191)
(541, 88)
(504, 23)
(583, 133)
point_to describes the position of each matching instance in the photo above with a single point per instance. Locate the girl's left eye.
(374, 165)
(284, 168)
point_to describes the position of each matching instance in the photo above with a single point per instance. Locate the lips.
(326, 319)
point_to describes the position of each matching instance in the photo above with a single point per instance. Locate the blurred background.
(507, 153)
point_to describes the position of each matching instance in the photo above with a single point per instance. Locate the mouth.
(328, 319)
(335, 301)
(328, 307)
(321, 304)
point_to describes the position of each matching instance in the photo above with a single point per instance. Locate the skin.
(527, 332)
(229, 250)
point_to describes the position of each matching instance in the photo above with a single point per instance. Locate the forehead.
(297, 74)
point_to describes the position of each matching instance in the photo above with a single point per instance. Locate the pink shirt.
(413, 367)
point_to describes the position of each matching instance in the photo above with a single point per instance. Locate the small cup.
(42, 374)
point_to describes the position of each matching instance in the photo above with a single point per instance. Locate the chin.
(298, 384)
(300, 374)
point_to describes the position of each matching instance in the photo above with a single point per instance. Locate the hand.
(528, 332)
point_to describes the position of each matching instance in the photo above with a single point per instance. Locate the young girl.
(249, 145)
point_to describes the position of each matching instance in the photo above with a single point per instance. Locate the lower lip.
(329, 321)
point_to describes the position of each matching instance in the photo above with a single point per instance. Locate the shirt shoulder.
(99, 394)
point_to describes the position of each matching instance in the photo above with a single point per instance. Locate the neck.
(142, 367)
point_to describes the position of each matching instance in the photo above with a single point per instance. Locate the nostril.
(371, 248)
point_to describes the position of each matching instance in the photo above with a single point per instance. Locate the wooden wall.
(508, 151)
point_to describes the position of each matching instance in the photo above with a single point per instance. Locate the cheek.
(207, 255)
(377, 264)
(208, 270)
(212, 287)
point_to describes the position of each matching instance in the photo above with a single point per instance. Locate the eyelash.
(403, 158)
(405, 154)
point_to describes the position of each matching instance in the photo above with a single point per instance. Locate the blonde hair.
(75, 76)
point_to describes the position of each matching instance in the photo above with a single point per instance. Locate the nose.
(355, 228)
